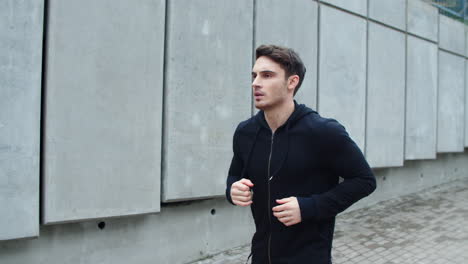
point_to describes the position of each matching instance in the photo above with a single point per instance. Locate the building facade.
(116, 117)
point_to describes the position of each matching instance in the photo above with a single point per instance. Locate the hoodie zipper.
(268, 208)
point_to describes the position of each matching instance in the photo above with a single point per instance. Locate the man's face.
(270, 87)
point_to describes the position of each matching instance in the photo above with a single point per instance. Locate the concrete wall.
(21, 24)
(451, 35)
(140, 103)
(391, 13)
(422, 20)
(103, 107)
(178, 235)
(466, 103)
(355, 6)
(385, 107)
(206, 93)
(421, 99)
(342, 70)
(451, 99)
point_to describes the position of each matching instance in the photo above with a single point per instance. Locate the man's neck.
(277, 116)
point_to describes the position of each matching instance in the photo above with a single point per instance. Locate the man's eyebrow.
(265, 71)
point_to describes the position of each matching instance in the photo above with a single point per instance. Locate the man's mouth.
(258, 96)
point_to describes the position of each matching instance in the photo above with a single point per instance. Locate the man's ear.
(293, 81)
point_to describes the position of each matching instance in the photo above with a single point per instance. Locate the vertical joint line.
(437, 85)
(254, 17)
(164, 101)
(406, 81)
(464, 81)
(437, 104)
(43, 105)
(366, 115)
(464, 100)
(464, 95)
(317, 89)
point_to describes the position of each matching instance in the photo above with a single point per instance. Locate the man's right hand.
(241, 193)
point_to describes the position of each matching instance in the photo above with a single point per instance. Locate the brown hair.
(287, 58)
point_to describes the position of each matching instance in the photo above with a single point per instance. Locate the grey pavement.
(428, 227)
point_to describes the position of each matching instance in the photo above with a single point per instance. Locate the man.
(286, 166)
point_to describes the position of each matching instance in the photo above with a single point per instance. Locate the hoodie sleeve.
(345, 159)
(235, 170)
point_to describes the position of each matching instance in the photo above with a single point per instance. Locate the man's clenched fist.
(241, 193)
(288, 212)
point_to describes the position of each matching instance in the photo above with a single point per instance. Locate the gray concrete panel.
(355, 6)
(385, 97)
(421, 99)
(207, 93)
(274, 26)
(466, 103)
(103, 109)
(423, 19)
(451, 103)
(466, 40)
(451, 35)
(342, 70)
(21, 26)
(392, 13)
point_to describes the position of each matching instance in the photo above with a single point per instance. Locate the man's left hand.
(288, 212)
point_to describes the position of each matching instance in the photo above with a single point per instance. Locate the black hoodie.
(304, 158)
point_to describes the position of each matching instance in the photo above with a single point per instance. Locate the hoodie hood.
(300, 110)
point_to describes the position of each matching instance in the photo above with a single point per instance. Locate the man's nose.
(255, 82)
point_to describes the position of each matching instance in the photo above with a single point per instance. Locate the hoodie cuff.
(228, 195)
(308, 207)
(230, 181)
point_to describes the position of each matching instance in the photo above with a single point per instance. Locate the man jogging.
(286, 167)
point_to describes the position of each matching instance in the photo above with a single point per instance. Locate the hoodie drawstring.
(247, 261)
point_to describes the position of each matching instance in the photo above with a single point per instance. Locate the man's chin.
(260, 106)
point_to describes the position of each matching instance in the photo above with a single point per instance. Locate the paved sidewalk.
(429, 227)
